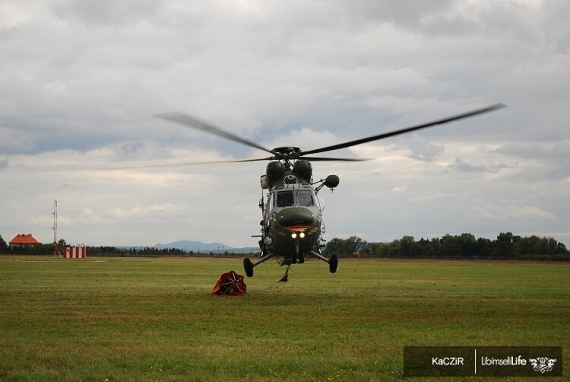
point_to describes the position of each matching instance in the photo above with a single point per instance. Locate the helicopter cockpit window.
(285, 199)
(305, 198)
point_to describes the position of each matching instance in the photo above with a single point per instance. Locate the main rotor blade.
(322, 159)
(189, 121)
(406, 130)
(188, 163)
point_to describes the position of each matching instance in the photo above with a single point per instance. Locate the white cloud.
(508, 211)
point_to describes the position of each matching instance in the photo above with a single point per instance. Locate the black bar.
(483, 361)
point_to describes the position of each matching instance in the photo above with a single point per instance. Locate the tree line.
(48, 249)
(465, 246)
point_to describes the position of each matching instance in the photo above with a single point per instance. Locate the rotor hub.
(287, 152)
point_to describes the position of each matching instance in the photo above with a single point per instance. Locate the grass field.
(134, 319)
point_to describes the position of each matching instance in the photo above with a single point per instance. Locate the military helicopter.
(292, 223)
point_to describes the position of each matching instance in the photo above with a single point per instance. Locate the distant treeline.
(48, 249)
(465, 246)
(155, 252)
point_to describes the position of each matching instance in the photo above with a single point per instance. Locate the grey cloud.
(427, 152)
(559, 151)
(4, 162)
(406, 13)
(131, 148)
(555, 23)
(441, 24)
(421, 148)
(106, 12)
(463, 166)
(549, 161)
(460, 165)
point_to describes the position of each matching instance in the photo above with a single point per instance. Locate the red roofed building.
(23, 240)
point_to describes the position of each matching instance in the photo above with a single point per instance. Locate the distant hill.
(198, 246)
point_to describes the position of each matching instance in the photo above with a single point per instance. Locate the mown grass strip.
(156, 319)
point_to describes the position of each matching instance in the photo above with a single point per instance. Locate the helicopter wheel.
(248, 267)
(333, 263)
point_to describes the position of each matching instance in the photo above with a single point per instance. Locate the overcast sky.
(81, 80)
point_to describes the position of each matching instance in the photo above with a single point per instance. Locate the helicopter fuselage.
(292, 221)
(292, 225)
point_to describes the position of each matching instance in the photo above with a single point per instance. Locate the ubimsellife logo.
(543, 364)
(484, 361)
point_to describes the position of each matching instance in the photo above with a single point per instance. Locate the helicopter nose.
(295, 219)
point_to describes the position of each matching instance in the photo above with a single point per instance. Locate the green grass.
(132, 319)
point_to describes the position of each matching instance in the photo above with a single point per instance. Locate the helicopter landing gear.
(333, 263)
(248, 267)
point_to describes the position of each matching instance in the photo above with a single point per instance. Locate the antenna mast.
(55, 248)
(55, 221)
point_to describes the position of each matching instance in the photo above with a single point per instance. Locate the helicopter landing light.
(300, 235)
(268, 240)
